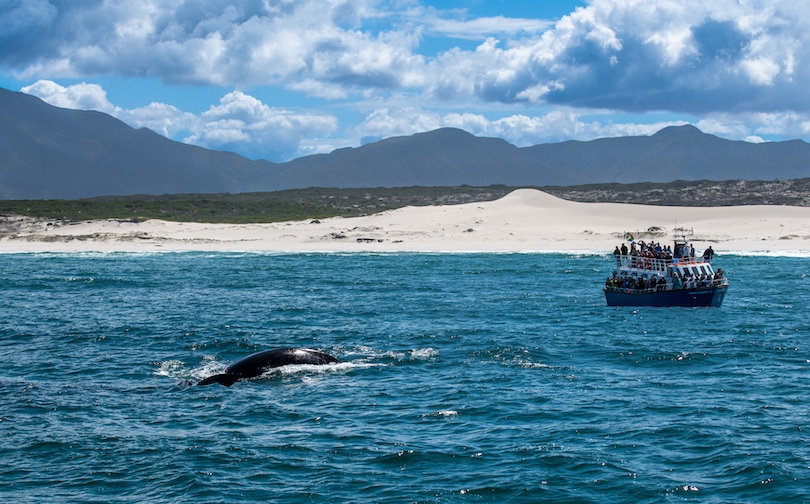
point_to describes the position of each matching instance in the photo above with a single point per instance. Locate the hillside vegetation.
(316, 203)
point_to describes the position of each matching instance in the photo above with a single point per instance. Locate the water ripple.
(466, 377)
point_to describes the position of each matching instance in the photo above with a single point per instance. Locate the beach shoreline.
(526, 220)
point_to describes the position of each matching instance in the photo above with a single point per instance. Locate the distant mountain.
(676, 153)
(50, 152)
(444, 157)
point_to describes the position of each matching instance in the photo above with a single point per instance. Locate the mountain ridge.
(50, 152)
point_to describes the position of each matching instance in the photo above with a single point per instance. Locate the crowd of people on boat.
(641, 255)
(651, 250)
(642, 283)
(657, 283)
(654, 250)
(652, 256)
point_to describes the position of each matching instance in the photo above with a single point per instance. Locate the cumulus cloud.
(243, 123)
(690, 56)
(165, 119)
(82, 96)
(438, 24)
(214, 42)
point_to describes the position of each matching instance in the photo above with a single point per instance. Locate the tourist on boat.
(708, 254)
(683, 251)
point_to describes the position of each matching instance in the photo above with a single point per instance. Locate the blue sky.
(278, 79)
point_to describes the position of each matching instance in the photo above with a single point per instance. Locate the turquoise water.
(466, 378)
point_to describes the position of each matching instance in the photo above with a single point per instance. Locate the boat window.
(702, 270)
(695, 271)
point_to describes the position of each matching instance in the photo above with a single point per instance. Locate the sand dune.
(525, 220)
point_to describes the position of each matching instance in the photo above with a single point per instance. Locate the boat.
(648, 275)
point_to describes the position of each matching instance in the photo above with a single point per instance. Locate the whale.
(258, 363)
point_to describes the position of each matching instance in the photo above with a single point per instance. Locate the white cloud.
(162, 118)
(82, 96)
(243, 123)
(761, 71)
(740, 126)
(217, 42)
(319, 89)
(688, 56)
(478, 28)
(386, 122)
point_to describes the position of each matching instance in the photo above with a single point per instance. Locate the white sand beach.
(526, 220)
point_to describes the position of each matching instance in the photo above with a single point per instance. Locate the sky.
(280, 79)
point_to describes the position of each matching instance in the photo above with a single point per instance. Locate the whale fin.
(226, 379)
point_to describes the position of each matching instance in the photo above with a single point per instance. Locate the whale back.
(256, 364)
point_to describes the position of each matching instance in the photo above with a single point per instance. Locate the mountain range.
(48, 152)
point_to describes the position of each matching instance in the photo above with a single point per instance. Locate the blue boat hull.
(705, 296)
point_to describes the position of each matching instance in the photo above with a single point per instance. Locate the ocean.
(465, 378)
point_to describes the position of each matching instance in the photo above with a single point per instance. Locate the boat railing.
(703, 283)
(633, 290)
(656, 263)
(642, 262)
(691, 284)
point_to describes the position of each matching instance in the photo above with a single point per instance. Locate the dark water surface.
(466, 378)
